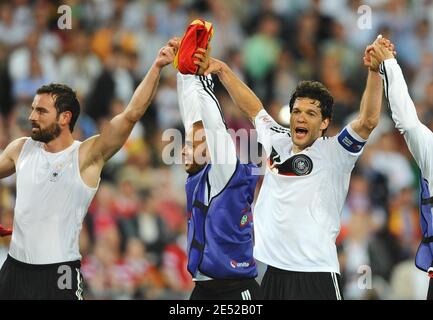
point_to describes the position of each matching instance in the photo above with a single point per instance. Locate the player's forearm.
(396, 92)
(243, 96)
(143, 95)
(371, 101)
(220, 143)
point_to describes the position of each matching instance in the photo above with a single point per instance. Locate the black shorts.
(280, 284)
(243, 289)
(430, 290)
(59, 281)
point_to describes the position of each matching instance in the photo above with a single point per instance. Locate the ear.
(325, 123)
(65, 117)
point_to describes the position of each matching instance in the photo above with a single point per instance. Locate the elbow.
(370, 123)
(133, 115)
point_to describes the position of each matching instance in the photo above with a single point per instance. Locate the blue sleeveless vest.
(424, 255)
(220, 235)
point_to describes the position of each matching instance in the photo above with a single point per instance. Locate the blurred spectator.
(263, 46)
(229, 34)
(388, 161)
(171, 18)
(151, 227)
(12, 31)
(80, 67)
(149, 41)
(168, 114)
(404, 221)
(29, 61)
(133, 239)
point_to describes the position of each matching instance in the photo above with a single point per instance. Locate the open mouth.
(186, 160)
(301, 132)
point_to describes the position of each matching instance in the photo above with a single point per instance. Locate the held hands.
(381, 49)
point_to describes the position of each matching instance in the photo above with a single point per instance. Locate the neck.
(60, 143)
(297, 149)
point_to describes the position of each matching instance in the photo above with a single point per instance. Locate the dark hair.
(65, 99)
(317, 91)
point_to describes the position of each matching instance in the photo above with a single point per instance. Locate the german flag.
(197, 35)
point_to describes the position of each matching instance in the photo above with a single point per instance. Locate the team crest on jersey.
(298, 165)
(56, 172)
(302, 164)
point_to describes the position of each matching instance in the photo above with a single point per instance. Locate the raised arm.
(369, 111)
(419, 138)
(396, 92)
(242, 96)
(9, 157)
(268, 131)
(198, 101)
(95, 151)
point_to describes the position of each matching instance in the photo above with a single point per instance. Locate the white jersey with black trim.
(297, 214)
(51, 203)
(418, 137)
(198, 102)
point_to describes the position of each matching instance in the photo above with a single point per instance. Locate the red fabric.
(5, 231)
(197, 35)
(175, 262)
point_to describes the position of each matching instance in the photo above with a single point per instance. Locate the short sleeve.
(270, 133)
(344, 149)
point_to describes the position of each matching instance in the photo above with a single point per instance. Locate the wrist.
(224, 67)
(223, 71)
(156, 66)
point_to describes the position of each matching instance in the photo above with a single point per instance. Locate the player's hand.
(203, 59)
(380, 50)
(174, 43)
(5, 231)
(165, 56)
(214, 66)
(370, 61)
(383, 49)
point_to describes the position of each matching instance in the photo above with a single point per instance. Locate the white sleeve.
(198, 96)
(344, 149)
(418, 137)
(270, 133)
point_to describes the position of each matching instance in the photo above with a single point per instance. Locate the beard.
(46, 135)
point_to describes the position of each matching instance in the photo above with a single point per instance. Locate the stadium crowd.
(133, 240)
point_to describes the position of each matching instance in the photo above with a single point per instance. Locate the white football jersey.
(52, 201)
(418, 137)
(297, 214)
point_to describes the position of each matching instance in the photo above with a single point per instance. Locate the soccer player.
(57, 178)
(419, 139)
(220, 192)
(297, 214)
